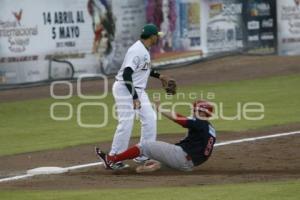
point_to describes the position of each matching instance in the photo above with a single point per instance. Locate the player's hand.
(136, 104)
(164, 79)
(169, 84)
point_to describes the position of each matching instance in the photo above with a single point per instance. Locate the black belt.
(134, 87)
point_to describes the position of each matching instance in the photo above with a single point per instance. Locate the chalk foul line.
(76, 167)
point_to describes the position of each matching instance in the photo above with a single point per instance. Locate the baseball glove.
(170, 86)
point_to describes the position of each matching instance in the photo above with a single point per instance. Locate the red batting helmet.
(204, 106)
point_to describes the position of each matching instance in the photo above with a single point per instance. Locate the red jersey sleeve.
(182, 120)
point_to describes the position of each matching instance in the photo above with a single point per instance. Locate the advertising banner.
(129, 19)
(225, 25)
(288, 17)
(32, 32)
(91, 35)
(180, 22)
(260, 23)
(190, 26)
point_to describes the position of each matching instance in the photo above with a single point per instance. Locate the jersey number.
(209, 146)
(146, 66)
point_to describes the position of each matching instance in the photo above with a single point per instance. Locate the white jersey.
(138, 59)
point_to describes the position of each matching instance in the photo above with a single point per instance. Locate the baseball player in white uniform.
(130, 96)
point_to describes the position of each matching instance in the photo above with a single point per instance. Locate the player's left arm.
(176, 117)
(155, 74)
(168, 83)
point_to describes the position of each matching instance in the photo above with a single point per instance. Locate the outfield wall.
(43, 40)
(288, 14)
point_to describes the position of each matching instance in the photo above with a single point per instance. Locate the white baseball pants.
(168, 154)
(126, 116)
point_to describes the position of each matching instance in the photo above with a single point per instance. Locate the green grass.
(26, 126)
(260, 191)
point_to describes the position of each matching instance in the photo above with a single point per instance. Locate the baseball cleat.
(103, 158)
(108, 164)
(118, 166)
(141, 159)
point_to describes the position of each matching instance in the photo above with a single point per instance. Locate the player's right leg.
(148, 123)
(168, 154)
(125, 114)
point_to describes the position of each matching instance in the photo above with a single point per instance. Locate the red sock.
(130, 153)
